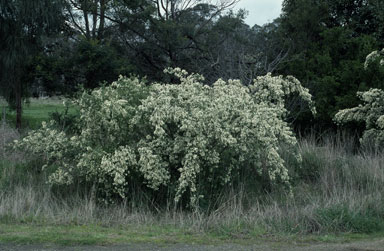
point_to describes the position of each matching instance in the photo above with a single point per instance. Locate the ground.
(372, 245)
(40, 237)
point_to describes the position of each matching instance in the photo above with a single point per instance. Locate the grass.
(159, 235)
(338, 196)
(36, 111)
(347, 210)
(99, 235)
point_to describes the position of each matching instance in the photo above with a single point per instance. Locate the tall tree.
(89, 17)
(328, 42)
(167, 33)
(237, 51)
(24, 24)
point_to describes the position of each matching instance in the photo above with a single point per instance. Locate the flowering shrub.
(186, 138)
(103, 131)
(371, 111)
(373, 56)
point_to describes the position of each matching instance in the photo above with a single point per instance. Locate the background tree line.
(55, 46)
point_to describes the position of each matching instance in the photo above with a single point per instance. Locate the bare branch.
(75, 23)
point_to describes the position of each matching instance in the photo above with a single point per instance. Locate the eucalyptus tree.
(207, 37)
(24, 25)
(94, 19)
(167, 33)
(199, 36)
(241, 52)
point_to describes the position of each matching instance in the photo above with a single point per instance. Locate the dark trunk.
(102, 19)
(3, 117)
(18, 105)
(94, 19)
(85, 14)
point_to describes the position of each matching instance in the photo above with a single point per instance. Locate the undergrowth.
(335, 190)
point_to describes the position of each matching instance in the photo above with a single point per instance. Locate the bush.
(371, 111)
(183, 142)
(64, 120)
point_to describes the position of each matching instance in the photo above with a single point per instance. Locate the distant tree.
(92, 18)
(238, 51)
(83, 62)
(327, 42)
(361, 16)
(94, 62)
(167, 33)
(199, 36)
(24, 25)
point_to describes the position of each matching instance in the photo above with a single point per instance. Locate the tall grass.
(7, 135)
(335, 189)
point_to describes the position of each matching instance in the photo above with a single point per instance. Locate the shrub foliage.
(187, 139)
(371, 111)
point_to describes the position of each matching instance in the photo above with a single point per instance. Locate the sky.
(260, 11)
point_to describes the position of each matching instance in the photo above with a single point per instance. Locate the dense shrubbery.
(371, 111)
(182, 141)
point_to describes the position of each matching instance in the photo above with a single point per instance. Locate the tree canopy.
(57, 46)
(24, 29)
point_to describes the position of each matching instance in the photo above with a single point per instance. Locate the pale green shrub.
(371, 111)
(185, 139)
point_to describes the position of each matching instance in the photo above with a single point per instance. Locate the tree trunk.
(85, 14)
(18, 99)
(102, 19)
(3, 116)
(94, 18)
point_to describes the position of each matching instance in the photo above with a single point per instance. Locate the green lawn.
(36, 111)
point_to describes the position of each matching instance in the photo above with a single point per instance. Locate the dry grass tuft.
(8, 135)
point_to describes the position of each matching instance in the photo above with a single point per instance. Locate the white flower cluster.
(373, 56)
(99, 152)
(182, 137)
(372, 113)
(273, 90)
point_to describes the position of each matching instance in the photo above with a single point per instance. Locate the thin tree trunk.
(85, 13)
(3, 116)
(94, 18)
(102, 19)
(18, 96)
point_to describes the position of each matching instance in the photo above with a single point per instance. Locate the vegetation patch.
(180, 144)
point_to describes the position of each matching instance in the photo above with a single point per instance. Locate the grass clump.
(340, 218)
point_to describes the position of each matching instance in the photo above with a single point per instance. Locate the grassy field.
(35, 111)
(338, 196)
